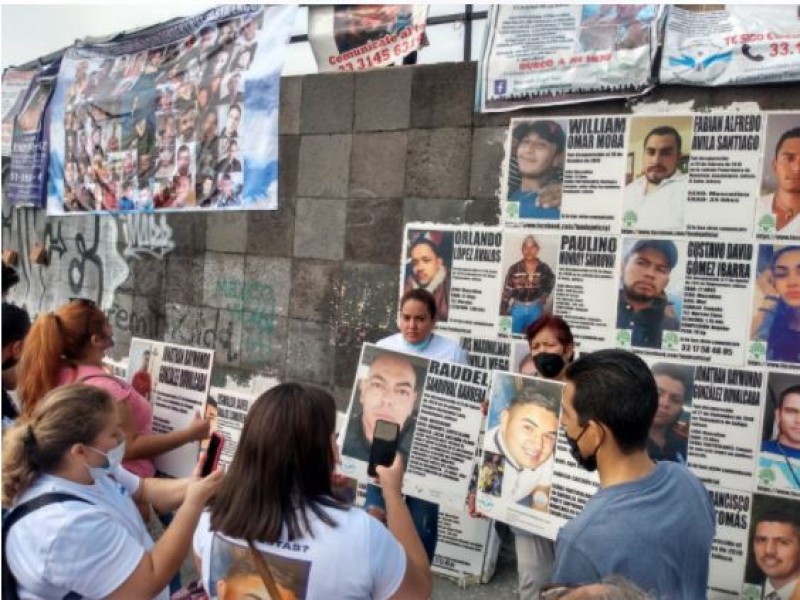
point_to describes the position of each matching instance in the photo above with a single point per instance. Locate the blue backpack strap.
(9, 585)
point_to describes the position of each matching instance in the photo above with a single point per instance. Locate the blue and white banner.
(724, 44)
(182, 116)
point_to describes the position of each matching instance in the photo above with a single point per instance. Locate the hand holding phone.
(384, 445)
(213, 451)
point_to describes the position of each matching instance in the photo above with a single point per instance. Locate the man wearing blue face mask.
(630, 527)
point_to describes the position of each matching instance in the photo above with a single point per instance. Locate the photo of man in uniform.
(784, 203)
(538, 155)
(669, 436)
(390, 391)
(656, 197)
(643, 306)
(426, 269)
(776, 550)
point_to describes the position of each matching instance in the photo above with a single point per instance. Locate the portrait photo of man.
(774, 561)
(389, 390)
(780, 185)
(522, 428)
(779, 462)
(669, 433)
(428, 267)
(654, 199)
(643, 305)
(536, 168)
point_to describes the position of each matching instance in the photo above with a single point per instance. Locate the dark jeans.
(424, 514)
(166, 520)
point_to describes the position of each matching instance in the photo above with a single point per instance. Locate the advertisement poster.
(543, 55)
(180, 117)
(30, 143)
(459, 266)
(15, 84)
(175, 380)
(727, 44)
(437, 408)
(357, 37)
(227, 410)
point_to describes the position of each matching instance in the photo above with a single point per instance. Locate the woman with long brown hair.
(67, 346)
(276, 526)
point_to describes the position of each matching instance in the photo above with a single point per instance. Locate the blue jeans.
(523, 315)
(424, 514)
(166, 520)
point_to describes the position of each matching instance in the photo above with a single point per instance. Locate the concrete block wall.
(293, 293)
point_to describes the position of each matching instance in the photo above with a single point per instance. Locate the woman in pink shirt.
(68, 346)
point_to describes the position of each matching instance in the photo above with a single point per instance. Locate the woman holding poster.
(552, 348)
(777, 320)
(68, 346)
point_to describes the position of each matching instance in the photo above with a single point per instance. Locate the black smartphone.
(384, 446)
(213, 451)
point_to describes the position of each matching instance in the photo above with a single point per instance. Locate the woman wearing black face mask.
(552, 349)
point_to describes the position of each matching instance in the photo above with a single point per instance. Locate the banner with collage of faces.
(181, 116)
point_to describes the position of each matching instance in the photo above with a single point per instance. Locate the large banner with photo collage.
(675, 236)
(181, 116)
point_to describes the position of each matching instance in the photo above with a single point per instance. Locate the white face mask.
(113, 460)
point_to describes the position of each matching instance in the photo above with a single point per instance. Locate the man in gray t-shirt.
(652, 523)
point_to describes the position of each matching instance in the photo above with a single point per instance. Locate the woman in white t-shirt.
(93, 544)
(275, 526)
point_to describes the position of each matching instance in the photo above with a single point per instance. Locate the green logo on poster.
(751, 591)
(624, 338)
(670, 341)
(512, 210)
(766, 476)
(505, 325)
(758, 350)
(766, 224)
(629, 219)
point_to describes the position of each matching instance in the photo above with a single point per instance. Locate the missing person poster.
(726, 412)
(175, 380)
(227, 410)
(436, 406)
(182, 116)
(459, 266)
(30, 144)
(487, 353)
(515, 474)
(685, 299)
(357, 37)
(15, 84)
(727, 44)
(564, 173)
(543, 55)
(778, 205)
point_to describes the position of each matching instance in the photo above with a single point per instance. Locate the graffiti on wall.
(146, 234)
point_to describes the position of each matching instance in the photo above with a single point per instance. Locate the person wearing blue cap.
(643, 306)
(539, 152)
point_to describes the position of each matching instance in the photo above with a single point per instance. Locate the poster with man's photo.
(15, 85)
(358, 37)
(459, 266)
(180, 117)
(515, 472)
(436, 408)
(777, 213)
(227, 410)
(175, 380)
(779, 459)
(775, 322)
(564, 173)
